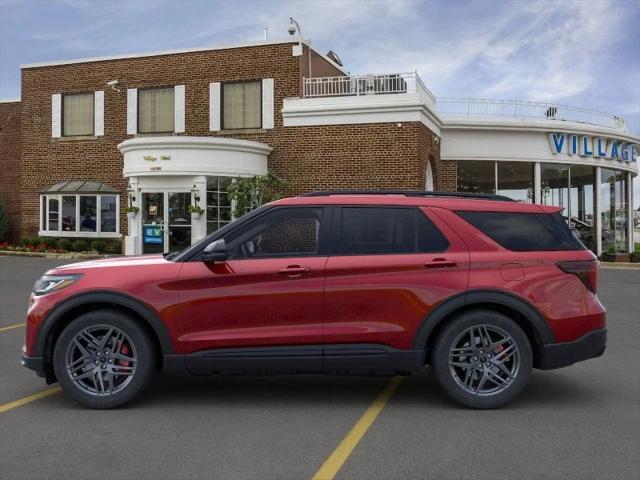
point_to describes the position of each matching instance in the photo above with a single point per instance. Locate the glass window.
(54, 213)
(515, 180)
(87, 213)
(242, 105)
(622, 211)
(156, 110)
(77, 114)
(554, 185)
(523, 232)
(283, 232)
(374, 230)
(43, 212)
(69, 213)
(108, 213)
(476, 176)
(608, 209)
(218, 203)
(614, 194)
(581, 204)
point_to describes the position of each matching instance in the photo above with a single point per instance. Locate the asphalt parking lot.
(582, 422)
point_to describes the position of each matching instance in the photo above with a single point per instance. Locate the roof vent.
(334, 57)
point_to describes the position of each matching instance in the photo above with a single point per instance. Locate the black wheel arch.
(81, 303)
(519, 309)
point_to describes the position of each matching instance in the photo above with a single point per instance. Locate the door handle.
(294, 270)
(440, 263)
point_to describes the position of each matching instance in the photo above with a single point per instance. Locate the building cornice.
(159, 53)
(531, 125)
(186, 143)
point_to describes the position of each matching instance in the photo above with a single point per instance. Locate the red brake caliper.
(125, 351)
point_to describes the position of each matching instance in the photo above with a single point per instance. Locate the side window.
(524, 232)
(376, 230)
(285, 232)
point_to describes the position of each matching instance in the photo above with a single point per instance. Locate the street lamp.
(293, 28)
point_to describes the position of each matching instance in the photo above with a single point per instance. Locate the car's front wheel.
(482, 359)
(103, 359)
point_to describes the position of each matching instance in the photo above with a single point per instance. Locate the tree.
(4, 223)
(249, 193)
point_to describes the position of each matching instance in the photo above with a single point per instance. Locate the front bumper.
(34, 363)
(557, 355)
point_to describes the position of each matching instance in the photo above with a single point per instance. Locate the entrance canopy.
(80, 186)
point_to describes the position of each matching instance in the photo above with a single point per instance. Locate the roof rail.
(409, 193)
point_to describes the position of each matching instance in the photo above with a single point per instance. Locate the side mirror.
(215, 251)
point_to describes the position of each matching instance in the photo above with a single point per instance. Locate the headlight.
(53, 283)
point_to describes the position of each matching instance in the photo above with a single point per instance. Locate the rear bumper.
(557, 355)
(34, 363)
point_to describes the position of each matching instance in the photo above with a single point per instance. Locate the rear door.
(388, 268)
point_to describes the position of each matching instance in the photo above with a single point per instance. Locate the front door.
(268, 293)
(166, 223)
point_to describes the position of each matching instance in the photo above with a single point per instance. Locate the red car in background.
(481, 288)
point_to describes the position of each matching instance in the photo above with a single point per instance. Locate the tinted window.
(288, 232)
(523, 232)
(373, 230)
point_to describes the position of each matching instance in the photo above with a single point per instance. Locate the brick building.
(161, 131)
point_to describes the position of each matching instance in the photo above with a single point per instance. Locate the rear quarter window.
(525, 232)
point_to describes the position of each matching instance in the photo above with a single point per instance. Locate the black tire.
(449, 377)
(141, 344)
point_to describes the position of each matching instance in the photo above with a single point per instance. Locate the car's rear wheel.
(482, 359)
(103, 359)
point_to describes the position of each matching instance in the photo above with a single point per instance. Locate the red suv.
(481, 288)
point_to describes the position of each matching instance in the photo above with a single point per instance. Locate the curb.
(625, 265)
(56, 256)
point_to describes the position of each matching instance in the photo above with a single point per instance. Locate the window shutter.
(56, 115)
(179, 108)
(98, 112)
(214, 106)
(267, 103)
(132, 111)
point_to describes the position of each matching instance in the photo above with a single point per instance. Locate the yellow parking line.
(334, 463)
(30, 398)
(11, 327)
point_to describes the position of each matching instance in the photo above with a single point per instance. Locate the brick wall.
(307, 158)
(10, 162)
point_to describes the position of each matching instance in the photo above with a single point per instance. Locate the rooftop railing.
(356, 85)
(478, 107)
(398, 83)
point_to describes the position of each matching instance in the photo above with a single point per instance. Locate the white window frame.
(57, 102)
(44, 220)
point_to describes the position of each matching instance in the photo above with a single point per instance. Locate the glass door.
(179, 221)
(153, 222)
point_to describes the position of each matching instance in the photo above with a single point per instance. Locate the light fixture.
(293, 28)
(195, 193)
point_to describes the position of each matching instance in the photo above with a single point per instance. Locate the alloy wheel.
(101, 360)
(484, 360)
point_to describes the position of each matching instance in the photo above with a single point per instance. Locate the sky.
(576, 52)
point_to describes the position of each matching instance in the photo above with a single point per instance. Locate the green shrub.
(65, 244)
(99, 246)
(29, 241)
(48, 242)
(80, 245)
(114, 247)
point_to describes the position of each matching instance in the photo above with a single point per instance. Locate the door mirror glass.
(215, 251)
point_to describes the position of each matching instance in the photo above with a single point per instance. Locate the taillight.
(585, 270)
